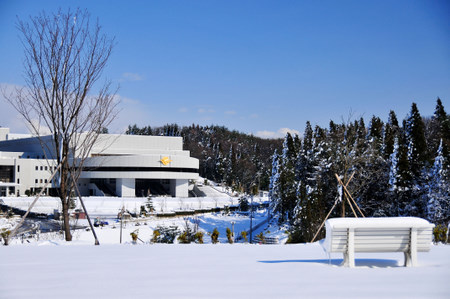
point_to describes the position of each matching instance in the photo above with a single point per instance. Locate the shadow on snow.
(371, 263)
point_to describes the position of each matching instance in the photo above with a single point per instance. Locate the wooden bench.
(394, 234)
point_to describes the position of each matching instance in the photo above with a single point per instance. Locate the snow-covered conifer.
(438, 191)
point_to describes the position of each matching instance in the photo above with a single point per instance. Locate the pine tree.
(441, 120)
(288, 196)
(417, 146)
(393, 174)
(438, 205)
(274, 185)
(391, 132)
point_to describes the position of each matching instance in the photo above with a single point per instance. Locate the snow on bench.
(385, 234)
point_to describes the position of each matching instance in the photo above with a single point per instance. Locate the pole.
(251, 219)
(85, 211)
(121, 221)
(335, 202)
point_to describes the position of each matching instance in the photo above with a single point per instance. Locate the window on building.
(41, 181)
(36, 181)
(18, 168)
(45, 181)
(45, 167)
(37, 167)
(18, 181)
(42, 168)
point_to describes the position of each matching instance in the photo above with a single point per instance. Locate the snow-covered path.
(215, 271)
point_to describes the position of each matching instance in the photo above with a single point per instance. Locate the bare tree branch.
(65, 55)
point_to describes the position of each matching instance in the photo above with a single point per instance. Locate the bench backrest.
(377, 234)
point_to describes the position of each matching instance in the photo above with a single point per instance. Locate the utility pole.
(251, 219)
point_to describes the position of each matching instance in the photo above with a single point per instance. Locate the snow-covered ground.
(54, 270)
(46, 266)
(111, 206)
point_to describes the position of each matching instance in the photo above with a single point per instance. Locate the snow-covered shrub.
(244, 236)
(165, 234)
(156, 236)
(184, 238)
(149, 205)
(134, 236)
(198, 237)
(440, 234)
(261, 239)
(143, 211)
(215, 236)
(229, 235)
(243, 204)
(4, 233)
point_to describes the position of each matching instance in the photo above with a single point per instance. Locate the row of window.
(37, 181)
(40, 168)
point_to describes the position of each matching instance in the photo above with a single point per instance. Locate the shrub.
(184, 238)
(198, 237)
(226, 210)
(244, 236)
(165, 234)
(134, 236)
(156, 236)
(440, 234)
(243, 204)
(229, 235)
(149, 205)
(261, 239)
(215, 236)
(4, 233)
(143, 211)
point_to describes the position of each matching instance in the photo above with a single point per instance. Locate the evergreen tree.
(274, 186)
(393, 174)
(441, 120)
(417, 146)
(230, 168)
(391, 132)
(287, 180)
(438, 205)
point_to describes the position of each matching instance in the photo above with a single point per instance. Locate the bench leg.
(411, 254)
(349, 255)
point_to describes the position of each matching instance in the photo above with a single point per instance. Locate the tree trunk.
(65, 192)
(66, 224)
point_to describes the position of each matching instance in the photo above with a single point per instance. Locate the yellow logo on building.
(165, 161)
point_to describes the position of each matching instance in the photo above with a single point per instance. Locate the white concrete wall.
(181, 188)
(29, 173)
(125, 187)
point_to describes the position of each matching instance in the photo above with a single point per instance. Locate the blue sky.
(259, 67)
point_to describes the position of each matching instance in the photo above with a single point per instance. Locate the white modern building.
(117, 165)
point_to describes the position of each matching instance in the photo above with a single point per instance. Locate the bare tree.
(65, 55)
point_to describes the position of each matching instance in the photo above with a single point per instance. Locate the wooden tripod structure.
(14, 231)
(349, 199)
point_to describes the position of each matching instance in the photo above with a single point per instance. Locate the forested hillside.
(391, 169)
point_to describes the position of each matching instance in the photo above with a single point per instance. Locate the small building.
(117, 165)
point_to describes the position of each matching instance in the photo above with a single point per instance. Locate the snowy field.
(55, 270)
(45, 266)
